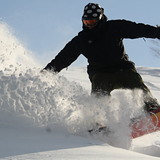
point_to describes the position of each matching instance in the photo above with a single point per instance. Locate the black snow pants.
(103, 83)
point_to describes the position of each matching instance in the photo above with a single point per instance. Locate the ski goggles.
(90, 23)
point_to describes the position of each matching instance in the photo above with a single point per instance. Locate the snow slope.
(46, 116)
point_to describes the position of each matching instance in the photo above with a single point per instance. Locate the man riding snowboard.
(101, 42)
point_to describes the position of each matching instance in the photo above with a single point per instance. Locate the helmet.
(92, 14)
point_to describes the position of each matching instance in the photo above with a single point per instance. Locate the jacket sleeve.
(128, 29)
(66, 56)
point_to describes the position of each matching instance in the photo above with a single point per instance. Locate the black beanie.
(93, 11)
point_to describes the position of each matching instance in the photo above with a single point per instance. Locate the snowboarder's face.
(90, 23)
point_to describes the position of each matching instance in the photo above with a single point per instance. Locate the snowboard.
(147, 124)
(140, 126)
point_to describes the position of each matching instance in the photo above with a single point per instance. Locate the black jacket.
(103, 46)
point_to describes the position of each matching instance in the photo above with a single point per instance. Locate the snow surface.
(46, 116)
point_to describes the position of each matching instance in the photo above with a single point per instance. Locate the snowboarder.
(101, 42)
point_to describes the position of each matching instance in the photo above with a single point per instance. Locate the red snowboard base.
(140, 126)
(146, 125)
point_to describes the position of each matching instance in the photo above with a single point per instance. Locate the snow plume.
(125, 105)
(28, 95)
(115, 112)
(50, 101)
(84, 113)
(12, 51)
(46, 100)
